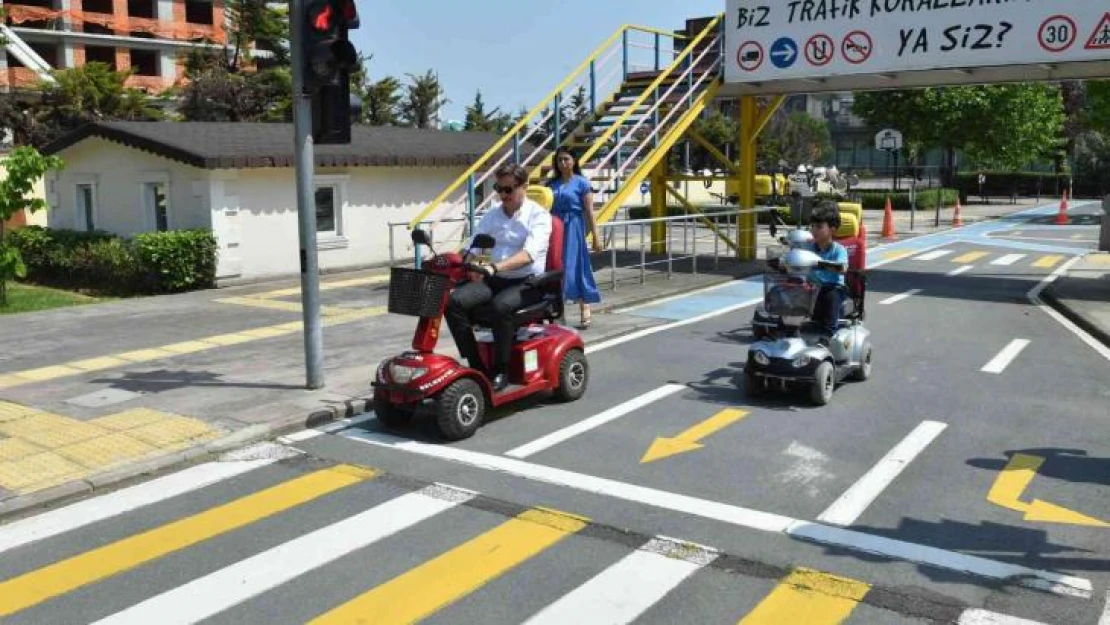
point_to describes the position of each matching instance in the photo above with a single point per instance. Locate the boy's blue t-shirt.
(836, 253)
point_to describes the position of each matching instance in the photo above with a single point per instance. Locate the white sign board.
(823, 40)
(888, 139)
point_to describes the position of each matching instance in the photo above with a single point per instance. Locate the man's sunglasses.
(509, 189)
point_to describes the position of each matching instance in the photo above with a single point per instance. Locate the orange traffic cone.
(888, 220)
(1062, 216)
(956, 219)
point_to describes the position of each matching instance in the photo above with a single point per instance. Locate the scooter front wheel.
(391, 415)
(460, 409)
(823, 384)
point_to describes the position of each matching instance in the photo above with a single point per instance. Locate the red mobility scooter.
(545, 357)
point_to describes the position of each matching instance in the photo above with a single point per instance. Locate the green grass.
(26, 298)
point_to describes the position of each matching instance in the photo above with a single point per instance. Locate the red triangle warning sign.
(1100, 38)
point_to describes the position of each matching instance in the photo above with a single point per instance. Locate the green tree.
(981, 120)
(1026, 123)
(477, 118)
(256, 22)
(796, 138)
(1096, 109)
(25, 166)
(422, 100)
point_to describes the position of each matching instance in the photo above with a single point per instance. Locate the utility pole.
(322, 59)
(305, 166)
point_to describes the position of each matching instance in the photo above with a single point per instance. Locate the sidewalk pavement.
(102, 394)
(1082, 294)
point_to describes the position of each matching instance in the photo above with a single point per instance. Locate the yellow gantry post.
(751, 124)
(747, 222)
(659, 207)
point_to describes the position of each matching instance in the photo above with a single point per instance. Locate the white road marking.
(809, 469)
(934, 255)
(624, 591)
(330, 428)
(739, 516)
(984, 617)
(1034, 296)
(854, 501)
(598, 420)
(1105, 619)
(209, 595)
(999, 363)
(1008, 259)
(962, 269)
(894, 299)
(89, 511)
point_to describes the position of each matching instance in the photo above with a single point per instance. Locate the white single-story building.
(237, 179)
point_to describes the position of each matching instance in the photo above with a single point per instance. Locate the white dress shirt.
(529, 229)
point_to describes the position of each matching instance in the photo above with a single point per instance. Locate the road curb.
(1078, 318)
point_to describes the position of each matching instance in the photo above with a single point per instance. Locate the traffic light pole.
(305, 168)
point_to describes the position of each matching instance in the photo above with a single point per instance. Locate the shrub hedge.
(149, 263)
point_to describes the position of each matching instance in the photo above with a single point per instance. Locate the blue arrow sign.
(784, 52)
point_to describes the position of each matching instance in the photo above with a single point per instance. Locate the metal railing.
(598, 78)
(687, 239)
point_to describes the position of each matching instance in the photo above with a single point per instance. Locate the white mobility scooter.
(790, 354)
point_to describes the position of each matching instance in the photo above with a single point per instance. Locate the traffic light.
(329, 59)
(329, 55)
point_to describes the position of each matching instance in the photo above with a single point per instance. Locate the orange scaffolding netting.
(18, 14)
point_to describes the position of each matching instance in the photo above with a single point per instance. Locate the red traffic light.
(322, 21)
(350, 13)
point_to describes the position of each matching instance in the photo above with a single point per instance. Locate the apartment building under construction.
(147, 36)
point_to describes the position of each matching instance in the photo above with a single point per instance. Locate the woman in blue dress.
(574, 205)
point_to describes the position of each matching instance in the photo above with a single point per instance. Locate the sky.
(516, 52)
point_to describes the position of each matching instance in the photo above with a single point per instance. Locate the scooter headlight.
(403, 374)
(762, 358)
(801, 361)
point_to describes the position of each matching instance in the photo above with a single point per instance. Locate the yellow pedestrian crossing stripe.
(46, 583)
(620, 592)
(970, 257)
(1043, 261)
(811, 597)
(451, 576)
(1047, 262)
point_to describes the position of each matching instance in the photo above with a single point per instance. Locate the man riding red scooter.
(517, 293)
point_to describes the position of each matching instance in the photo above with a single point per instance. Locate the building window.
(331, 192)
(86, 207)
(325, 209)
(157, 205)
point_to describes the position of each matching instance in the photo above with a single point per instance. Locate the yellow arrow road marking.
(1012, 482)
(688, 440)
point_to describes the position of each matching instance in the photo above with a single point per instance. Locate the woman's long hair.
(555, 171)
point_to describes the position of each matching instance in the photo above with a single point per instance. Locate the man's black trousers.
(507, 296)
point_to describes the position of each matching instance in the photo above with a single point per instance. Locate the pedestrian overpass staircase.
(621, 110)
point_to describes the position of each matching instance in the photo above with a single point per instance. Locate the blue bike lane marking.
(750, 289)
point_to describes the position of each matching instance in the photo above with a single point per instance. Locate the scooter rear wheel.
(460, 409)
(574, 376)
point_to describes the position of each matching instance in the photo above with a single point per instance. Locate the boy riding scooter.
(823, 224)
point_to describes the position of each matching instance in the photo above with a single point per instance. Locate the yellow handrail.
(659, 31)
(523, 122)
(649, 90)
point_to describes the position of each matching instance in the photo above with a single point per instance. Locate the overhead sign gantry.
(804, 46)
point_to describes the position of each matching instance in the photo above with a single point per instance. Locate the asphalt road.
(965, 480)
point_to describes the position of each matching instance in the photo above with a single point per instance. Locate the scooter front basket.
(416, 293)
(789, 296)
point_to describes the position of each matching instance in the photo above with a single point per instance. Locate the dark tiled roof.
(231, 145)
